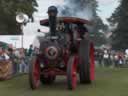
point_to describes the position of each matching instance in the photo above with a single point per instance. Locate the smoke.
(74, 8)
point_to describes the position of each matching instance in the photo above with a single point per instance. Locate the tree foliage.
(119, 19)
(8, 12)
(97, 34)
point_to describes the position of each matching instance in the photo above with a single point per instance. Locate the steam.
(70, 8)
(74, 8)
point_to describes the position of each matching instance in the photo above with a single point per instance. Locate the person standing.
(30, 50)
(106, 58)
(100, 58)
(120, 60)
(29, 55)
(22, 65)
(13, 58)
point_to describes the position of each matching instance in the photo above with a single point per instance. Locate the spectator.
(30, 50)
(106, 58)
(13, 58)
(22, 65)
(3, 54)
(120, 60)
(126, 58)
(116, 60)
(100, 57)
(36, 51)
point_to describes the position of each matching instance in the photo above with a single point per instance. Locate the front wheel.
(34, 73)
(72, 73)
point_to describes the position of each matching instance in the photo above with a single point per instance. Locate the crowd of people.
(105, 57)
(19, 57)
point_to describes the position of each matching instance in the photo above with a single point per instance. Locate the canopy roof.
(73, 20)
(3, 45)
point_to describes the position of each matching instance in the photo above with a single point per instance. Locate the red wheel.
(72, 72)
(34, 73)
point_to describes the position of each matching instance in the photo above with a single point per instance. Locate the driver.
(80, 32)
(83, 32)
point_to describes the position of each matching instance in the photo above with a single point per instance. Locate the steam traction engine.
(66, 50)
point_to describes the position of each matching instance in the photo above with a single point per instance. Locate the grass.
(109, 82)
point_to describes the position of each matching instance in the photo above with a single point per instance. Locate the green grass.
(109, 82)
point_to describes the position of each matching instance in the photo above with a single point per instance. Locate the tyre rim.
(74, 73)
(36, 74)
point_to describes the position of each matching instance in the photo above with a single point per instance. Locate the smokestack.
(52, 13)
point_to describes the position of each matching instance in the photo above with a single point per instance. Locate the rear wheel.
(34, 73)
(84, 60)
(72, 73)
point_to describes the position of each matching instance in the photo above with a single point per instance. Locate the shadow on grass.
(61, 85)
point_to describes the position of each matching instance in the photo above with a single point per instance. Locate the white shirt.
(106, 56)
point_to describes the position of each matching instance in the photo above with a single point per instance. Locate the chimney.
(52, 13)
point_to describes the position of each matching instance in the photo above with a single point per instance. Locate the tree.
(97, 34)
(9, 10)
(120, 21)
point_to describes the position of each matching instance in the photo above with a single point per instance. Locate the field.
(109, 82)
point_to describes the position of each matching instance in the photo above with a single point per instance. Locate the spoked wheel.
(34, 73)
(85, 61)
(72, 72)
(47, 80)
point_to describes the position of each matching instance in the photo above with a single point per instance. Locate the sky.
(106, 8)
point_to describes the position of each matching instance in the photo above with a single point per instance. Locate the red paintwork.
(53, 71)
(74, 72)
(56, 71)
(36, 74)
(92, 62)
(74, 20)
(66, 56)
